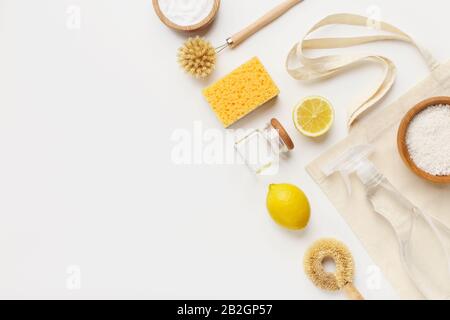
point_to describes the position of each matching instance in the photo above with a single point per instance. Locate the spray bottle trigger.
(350, 162)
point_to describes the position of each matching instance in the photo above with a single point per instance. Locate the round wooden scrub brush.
(342, 279)
(198, 57)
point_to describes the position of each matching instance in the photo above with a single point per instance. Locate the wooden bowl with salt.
(402, 139)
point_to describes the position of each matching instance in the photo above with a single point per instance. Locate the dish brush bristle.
(337, 252)
(198, 57)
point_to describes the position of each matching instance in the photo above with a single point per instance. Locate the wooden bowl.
(205, 22)
(401, 139)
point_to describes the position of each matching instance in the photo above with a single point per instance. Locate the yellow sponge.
(242, 91)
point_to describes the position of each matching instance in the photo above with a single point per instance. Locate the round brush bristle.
(198, 57)
(337, 252)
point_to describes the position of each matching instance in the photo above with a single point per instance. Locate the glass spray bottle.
(420, 236)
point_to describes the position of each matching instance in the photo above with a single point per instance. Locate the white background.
(86, 176)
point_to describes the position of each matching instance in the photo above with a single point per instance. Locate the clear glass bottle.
(261, 149)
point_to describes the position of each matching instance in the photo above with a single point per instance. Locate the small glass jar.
(262, 149)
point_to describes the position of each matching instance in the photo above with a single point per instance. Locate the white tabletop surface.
(92, 204)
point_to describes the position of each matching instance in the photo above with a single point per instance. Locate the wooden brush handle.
(272, 15)
(352, 293)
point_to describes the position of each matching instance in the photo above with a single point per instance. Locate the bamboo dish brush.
(342, 279)
(198, 56)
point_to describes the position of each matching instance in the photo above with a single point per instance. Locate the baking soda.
(186, 12)
(428, 140)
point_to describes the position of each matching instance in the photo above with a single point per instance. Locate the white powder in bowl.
(186, 12)
(428, 140)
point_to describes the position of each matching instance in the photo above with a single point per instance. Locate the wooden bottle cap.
(205, 22)
(283, 133)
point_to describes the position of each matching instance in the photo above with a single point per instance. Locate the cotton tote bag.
(379, 130)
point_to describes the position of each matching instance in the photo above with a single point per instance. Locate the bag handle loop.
(328, 66)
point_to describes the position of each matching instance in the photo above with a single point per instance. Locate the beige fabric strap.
(328, 66)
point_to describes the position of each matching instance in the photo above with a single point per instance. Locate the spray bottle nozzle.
(354, 160)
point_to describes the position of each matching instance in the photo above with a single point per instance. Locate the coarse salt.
(428, 140)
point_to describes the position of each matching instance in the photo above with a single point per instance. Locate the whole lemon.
(288, 206)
